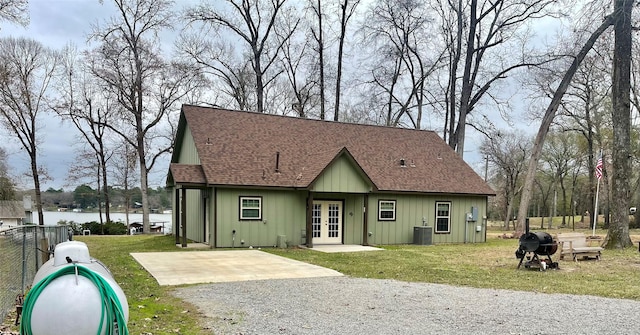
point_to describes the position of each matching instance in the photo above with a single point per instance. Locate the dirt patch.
(8, 326)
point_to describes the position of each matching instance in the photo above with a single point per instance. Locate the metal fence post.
(35, 247)
(24, 259)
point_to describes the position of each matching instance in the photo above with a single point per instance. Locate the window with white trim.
(386, 210)
(443, 217)
(250, 208)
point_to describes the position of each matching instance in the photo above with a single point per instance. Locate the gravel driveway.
(344, 305)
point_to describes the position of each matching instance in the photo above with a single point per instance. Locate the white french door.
(326, 222)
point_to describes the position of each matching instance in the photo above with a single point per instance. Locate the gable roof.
(345, 152)
(10, 209)
(245, 148)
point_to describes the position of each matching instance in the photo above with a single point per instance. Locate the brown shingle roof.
(241, 148)
(10, 209)
(187, 174)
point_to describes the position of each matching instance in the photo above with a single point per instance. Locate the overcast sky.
(56, 23)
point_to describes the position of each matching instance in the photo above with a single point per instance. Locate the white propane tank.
(70, 303)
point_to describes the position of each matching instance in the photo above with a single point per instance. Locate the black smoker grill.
(532, 246)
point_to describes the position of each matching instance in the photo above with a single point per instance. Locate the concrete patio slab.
(194, 246)
(195, 267)
(331, 248)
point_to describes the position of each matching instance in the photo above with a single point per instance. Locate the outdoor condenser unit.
(422, 235)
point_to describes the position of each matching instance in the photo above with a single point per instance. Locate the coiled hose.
(111, 307)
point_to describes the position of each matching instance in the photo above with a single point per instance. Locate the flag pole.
(595, 212)
(599, 165)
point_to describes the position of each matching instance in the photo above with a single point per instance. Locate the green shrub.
(110, 228)
(75, 227)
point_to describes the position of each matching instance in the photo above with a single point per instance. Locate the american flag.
(599, 168)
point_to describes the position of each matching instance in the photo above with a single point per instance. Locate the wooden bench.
(578, 246)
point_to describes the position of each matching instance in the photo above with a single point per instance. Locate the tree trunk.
(564, 202)
(141, 146)
(507, 215)
(144, 189)
(321, 61)
(144, 182)
(257, 68)
(36, 185)
(550, 113)
(105, 190)
(618, 234)
(457, 140)
(343, 31)
(98, 196)
(394, 81)
(453, 75)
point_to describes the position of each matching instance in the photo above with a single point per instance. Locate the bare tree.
(253, 21)
(550, 115)
(318, 36)
(560, 150)
(129, 65)
(544, 183)
(578, 200)
(346, 12)
(508, 154)
(405, 59)
(451, 14)
(15, 11)
(294, 56)
(26, 70)
(88, 108)
(123, 171)
(478, 36)
(584, 110)
(230, 75)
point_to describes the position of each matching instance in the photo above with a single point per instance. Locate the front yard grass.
(154, 310)
(486, 265)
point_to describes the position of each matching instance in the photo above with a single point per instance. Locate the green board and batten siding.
(344, 177)
(411, 209)
(353, 218)
(196, 217)
(283, 213)
(188, 152)
(341, 176)
(284, 210)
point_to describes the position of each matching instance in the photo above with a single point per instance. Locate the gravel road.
(344, 305)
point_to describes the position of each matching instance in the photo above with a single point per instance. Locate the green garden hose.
(111, 306)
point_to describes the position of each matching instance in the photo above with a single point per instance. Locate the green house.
(243, 179)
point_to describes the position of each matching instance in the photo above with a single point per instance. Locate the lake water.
(52, 218)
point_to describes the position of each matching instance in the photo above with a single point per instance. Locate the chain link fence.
(23, 249)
